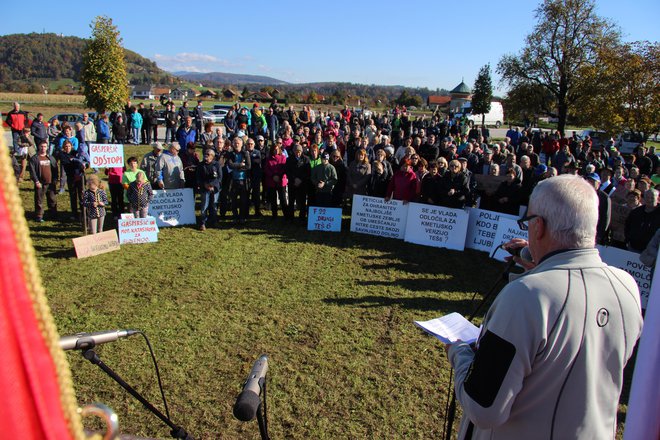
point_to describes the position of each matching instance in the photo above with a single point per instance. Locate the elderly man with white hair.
(550, 357)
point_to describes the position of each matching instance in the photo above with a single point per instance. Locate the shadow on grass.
(424, 304)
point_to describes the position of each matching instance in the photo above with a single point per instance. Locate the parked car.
(598, 137)
(69, 118)
(216, 116)
(627, 141)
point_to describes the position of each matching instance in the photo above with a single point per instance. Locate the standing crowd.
(286, 159)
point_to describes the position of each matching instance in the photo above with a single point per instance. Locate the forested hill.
(29, 62)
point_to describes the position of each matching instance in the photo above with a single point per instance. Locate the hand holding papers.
(451, 328)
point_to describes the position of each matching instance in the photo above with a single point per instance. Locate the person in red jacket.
(17, 120)
(404, 185)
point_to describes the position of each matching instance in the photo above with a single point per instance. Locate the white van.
(494, 117)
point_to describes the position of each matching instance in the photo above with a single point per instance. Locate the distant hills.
(219, 79)
(32, 62)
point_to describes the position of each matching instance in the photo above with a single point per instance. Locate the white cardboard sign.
(436, 226)
(173, 207)
(106, 155)
(507, 230)
(482, 228)
(375, 216)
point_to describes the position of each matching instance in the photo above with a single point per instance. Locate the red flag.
(38, 399)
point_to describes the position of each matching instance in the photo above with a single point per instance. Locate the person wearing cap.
(149, 160)
(324, 179)
(604, 209)
(169, 169)
(486, 162)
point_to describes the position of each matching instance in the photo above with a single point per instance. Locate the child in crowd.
(139, 195)
(94, 200)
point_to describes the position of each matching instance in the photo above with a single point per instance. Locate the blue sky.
(413, 43)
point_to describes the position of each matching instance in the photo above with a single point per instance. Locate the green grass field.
(333, 311)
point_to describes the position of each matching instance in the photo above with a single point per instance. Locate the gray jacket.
(549, 361)
(169, 170)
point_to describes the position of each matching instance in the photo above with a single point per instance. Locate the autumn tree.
(565, 40)
(623, 89)
(483, 93)
(103, 74)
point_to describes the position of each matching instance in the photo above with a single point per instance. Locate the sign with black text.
(375, 216)
(137, 230)
(436, 226)
(106, 155)
(324, 219)
(173, 207)
(482, 228)
(629, 261)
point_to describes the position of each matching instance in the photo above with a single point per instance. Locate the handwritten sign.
(507, 230)
(375, 216)
(106, 155)
(96, 244)
(487, 183)
(173, 207)
(324, 219)
(482, 228)
(137, 230)
(629, 261)
(127, 215)
(436, 226)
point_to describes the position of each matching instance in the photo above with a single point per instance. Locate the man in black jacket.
(43, 170)
(209, 176)
(298, 172)
(170, 123)
(39, 130)
(199, 119)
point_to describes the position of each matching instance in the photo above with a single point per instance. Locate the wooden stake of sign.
(96, 244)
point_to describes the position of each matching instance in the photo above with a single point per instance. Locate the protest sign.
(106, 155)
(436, 226)
(96, 244)
(137, 230)
(507, 230)
(482, 228)
(324, 219)
(629, 261)
(127, 215)
(173, 207)
(375, 216)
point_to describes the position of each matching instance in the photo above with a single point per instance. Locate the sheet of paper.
(450, 328)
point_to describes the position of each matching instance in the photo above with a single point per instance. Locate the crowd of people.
(286, 159)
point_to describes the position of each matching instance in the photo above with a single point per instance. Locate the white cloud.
(193, 62)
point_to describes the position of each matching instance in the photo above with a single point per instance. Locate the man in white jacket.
(549, 361)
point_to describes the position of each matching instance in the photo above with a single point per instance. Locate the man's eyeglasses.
(523, 223)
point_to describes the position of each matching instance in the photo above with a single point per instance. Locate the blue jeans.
(136, 135)
(209, 202)
(170, 134)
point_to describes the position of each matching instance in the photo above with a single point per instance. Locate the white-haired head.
(569, 208)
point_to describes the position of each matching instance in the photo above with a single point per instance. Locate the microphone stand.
(262, 420)
(451, 412)
(176, 431)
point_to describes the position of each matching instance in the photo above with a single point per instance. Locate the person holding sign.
(454, 187)
(553, 346)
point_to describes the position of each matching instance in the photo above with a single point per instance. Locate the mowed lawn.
(333, 311)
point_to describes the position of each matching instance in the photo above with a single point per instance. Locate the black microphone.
(84, 341)
(522, 252)
(247, 403)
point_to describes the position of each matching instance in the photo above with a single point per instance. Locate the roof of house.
(438, 100)
(462, 88)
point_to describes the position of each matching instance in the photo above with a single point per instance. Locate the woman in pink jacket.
(275, 180)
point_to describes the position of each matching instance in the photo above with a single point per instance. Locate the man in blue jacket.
(186, 133)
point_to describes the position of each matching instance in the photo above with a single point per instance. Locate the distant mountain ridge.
(217, 79)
